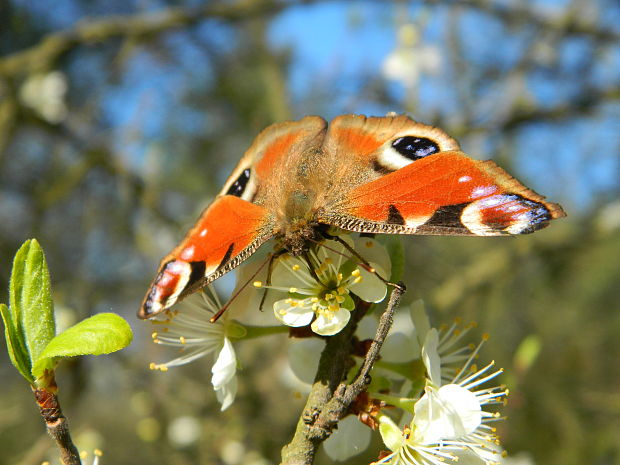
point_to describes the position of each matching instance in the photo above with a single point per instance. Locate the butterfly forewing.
(237, 222)
(418, 182)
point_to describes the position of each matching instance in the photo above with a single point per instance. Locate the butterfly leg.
(221, 311)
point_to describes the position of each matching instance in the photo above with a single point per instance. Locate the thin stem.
(330, 396)
(57, 426)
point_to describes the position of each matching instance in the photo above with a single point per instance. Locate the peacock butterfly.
(366, 174)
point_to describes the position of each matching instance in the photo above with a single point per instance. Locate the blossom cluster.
(442, 395)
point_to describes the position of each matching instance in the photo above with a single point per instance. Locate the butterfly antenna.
(221, 311)
(362, 261)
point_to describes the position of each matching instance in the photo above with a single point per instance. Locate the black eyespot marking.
(415, 148)
(238, 186)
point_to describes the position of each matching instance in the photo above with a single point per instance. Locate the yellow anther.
(315, 307)
(457, 332)
(296, 267)
(294, 303)
(292, 290)
(329, 296)
(257, 284)
(314, 299)
(162, 368)
(282, 311)
(355, 272)
(182, 340)
(339, 299)
(334, 307)
(341, 290)
(458, 320)
(357, 280)
(486, 336)
(154, 335)
(328, 261)
(83, 454)
(98, 452)
(339, 277)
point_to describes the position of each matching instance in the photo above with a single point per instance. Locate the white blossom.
(188, 328)
(319, 289)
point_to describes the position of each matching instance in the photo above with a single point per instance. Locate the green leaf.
(32, 309)
(99, 334)
(396, 251)
(15, 346)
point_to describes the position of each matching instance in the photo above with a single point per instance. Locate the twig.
(53, 46)
(330, 397)
(57, 426)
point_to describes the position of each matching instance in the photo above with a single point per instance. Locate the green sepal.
(14, 344)
(396, 251)
(30, 300)
(100, 334)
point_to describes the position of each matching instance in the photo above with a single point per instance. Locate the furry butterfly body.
(375, 175)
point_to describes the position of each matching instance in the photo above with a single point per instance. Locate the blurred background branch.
(120, 120)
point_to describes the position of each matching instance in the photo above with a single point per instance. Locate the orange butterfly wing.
(233, 226)
(445, 192)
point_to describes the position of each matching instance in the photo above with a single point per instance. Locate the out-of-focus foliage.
(119, 120)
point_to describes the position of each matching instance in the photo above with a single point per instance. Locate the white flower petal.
(370, 288)
(303, 358)
(450, 412)
(289, 271)
(350, 439)
(430, 357)
(226, 393)
(419, 318)
(390, 433)
(331, 324)
(225, 366)
(374, 252)
(224, 380)
(295, 316)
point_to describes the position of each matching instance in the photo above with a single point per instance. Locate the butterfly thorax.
(299, 201)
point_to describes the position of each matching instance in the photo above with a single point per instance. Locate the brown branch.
(330, 397)
(53, 46)
(57, 426)
(571, 22)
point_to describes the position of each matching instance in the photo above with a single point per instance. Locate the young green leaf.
(100, 334)
(14, 345)
(32, 309)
